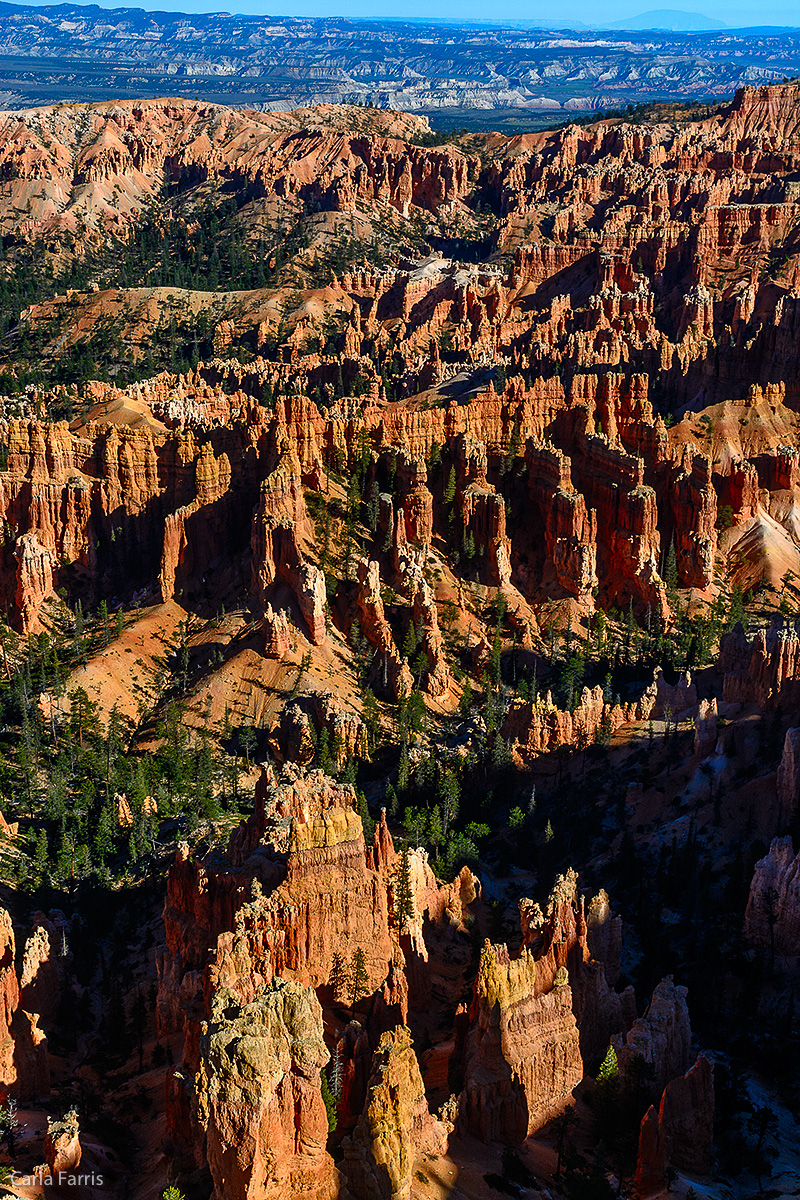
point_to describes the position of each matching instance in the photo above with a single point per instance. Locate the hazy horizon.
(735, 14)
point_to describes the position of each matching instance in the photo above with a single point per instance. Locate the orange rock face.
(9, 989)
(766, 670)
(395, 1126)
(617, 310)
(523, 1056)
(62, 1146)
(297, 886)
(662, 1037)
(536, 1017)
(535, 728)
(258, 1098)
(24, 1064)
(787, 784)
(396, 673)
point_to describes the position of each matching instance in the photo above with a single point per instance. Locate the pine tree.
(410, 643)
(403, 890)
(330, 1102)
(609, 1068)
(450, 489)
(41, 853)
(435, 829)
(367, 823)
(323, 751)
(373, 506)
(449, 794)
(338, 978)
(403, 769)
(359, 979)
(671, 575)
(371, 715)
(349, 774)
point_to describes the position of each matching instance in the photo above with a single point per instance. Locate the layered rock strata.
(772, 917)
(679, 1133)
(258, 1099)
(395, 1126)
(296, 887)
(24, 1062)
(536, 1018)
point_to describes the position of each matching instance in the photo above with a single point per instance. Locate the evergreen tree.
(359, 979)
(337, 1072)
(349, 774)
(323, 751)
(338, 978)
(449, 795)
(609, 1068)
(671, 576)
(373, 506)
(403, 890)
(41, 854)
(410, 643)
(367, 823)
(330, 1102)
(435, 829)
(450, 488)
(403, 768)
(371, 716)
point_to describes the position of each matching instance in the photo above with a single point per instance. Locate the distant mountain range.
(661, 19)
(670, 19)
(81, 53)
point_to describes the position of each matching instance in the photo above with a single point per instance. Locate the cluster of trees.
(28, 277)
(204, 249)
(349, 981)
(88, 806)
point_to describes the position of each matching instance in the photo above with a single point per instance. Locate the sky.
(734, 13)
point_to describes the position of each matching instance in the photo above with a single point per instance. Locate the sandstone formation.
(395, 1125)
(662, 1037)
(523, 1057)
(766, 670)
(394, 671)
(383, 481)
(535, 728)
(687, 1118)
(296, 886)
(258, 1098)
(705, 729)
(302, 721)
(41, 975)
(24, 1064)
(772, 918)
(538, 1017)
(651, 1177)
(787, 784)
(680, 1132)
(62, 1146)
(615, 306)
